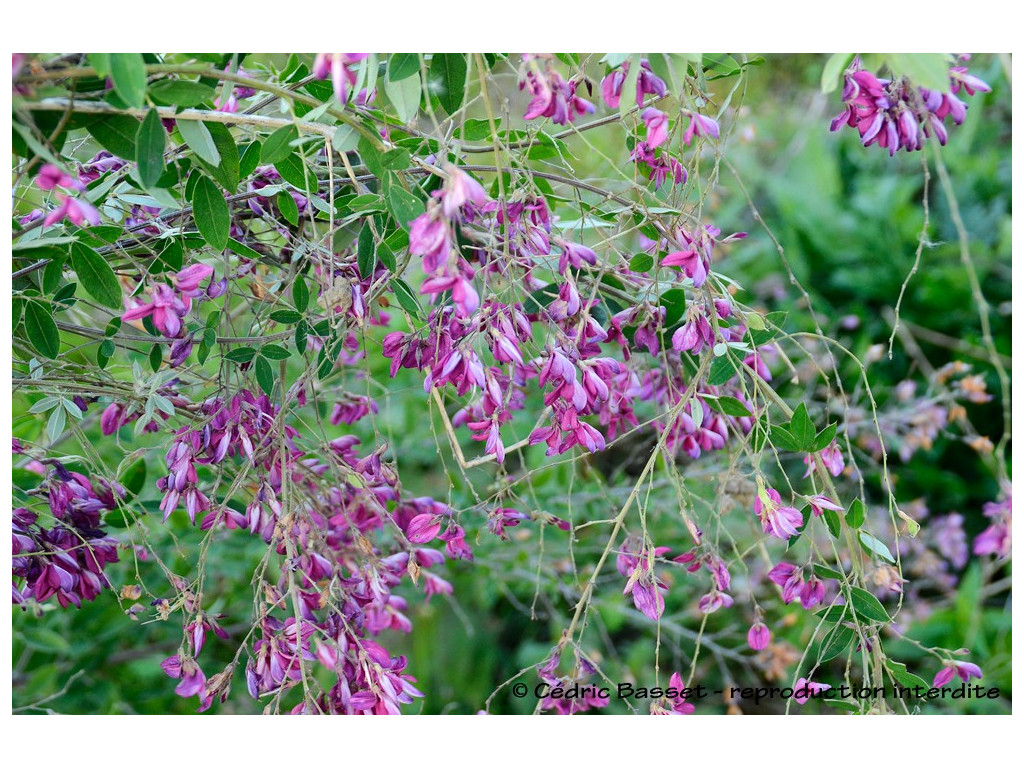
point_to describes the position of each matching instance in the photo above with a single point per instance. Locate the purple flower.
(680, 706)
(574, 254)
(758, 636)
(962, 669)
(700, 125)
(336, 66)
(50, 177)
(459, 190)
(790, 578)
(657, 126)
(167, 307)
(553, 96)
(997, 538)
(805, 689)
(895, 114)
(777, 520)
(647, 83)
(76, 210)
(423, 528)
(692, 263)
(831, 458)
(819, 503)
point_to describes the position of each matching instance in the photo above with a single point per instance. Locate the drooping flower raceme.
(898, 114)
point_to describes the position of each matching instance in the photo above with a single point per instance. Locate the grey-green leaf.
(198, 137)
(874, 546)
(404, 96)
(128, 71)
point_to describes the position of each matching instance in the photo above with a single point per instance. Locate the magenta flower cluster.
(67, 559)
(898, 114)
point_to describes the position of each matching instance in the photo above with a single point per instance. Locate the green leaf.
(345, 138)
(128, 71)
(827, 573)
(730, 406)
(387, 257)
(833, 614)
(824, 438)
(855, 514)
(294, 171)
(478, 129)
(180, 93)
(928, 70)
(65, 296)
(149, 149)
(802, 428)
(225, 172)
(54, 271)
(211, 213)
(171, 256)
(904, 677)
(404, 96)
(301, 336)
(105, 352)
(100, 62)
(274, 352)
(243, 250)
(278, 145)
(96, 276)
(832, 522)
(406, 298)
(300, 293)
(448, 71)
(674, 302)
(833, 70)
(663, 66)
(134, 477)
(403, 65)
(240, 355)
(783, 438)
(43, 405)
(642, 262)
(116, 134)
(366, 254)
(875, 547)
(722, 370)
(867, 606)
(250, 159)
(156, 357)
(55, 424)
(285, 316)
(835, 643)
(197, 136)
(380, 162)
(265, 375)
(404, 206)
(288, 207)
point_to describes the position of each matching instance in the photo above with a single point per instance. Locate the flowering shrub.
(308, 345)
